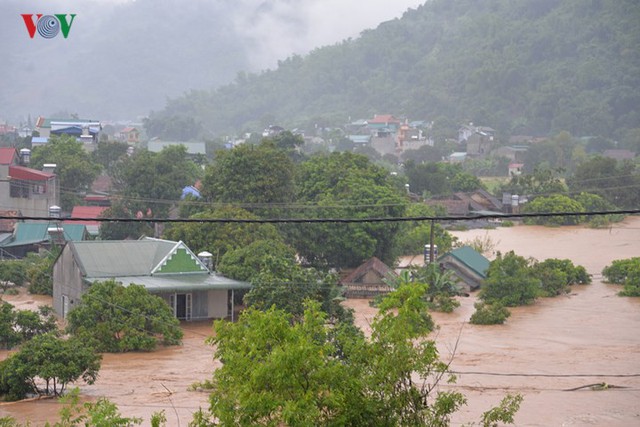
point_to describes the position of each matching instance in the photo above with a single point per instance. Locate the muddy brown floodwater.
(589, 336)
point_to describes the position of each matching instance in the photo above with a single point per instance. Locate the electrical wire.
(332, 220)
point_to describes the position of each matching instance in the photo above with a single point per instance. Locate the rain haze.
(122, 58)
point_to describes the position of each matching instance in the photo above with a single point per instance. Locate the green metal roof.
(472, 259)
(111, 258)
(30, 233)
(179, 282)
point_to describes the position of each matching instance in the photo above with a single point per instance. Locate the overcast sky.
(134, 45)
(278, 28)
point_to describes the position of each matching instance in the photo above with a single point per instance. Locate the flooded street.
(589, 336)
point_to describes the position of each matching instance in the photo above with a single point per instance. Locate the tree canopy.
(251, 174)
(49, 359)
(153, 181)
(115, 318)
(345, 185)
(75, 168)
(277, 371)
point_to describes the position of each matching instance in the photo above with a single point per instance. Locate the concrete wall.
(67, 281)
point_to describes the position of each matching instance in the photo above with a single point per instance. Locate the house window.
(19, 188)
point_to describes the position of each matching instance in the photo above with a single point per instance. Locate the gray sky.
(162, 48)
(278, 28)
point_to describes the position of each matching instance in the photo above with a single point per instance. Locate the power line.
(332, 220)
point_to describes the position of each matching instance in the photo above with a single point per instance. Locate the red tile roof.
(87, 212)
(383, 118)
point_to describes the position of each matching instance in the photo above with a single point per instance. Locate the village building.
(29, 191)
(467, 265)
(165, 268)
(40, 235)
(369, 279)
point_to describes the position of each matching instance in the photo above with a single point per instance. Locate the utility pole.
(431, 238)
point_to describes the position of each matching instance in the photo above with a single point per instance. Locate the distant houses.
(87, 131)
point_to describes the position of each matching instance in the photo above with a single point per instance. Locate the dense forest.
(522, 67)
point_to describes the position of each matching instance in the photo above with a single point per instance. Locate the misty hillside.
(525, 66)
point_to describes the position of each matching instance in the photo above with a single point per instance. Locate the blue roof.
(190, 190)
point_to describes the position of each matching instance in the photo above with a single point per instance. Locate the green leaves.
(74, 167)
(625, 272)
(280, 369)
(56, 361)
(117, 319)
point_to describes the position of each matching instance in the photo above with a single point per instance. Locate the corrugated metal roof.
(29, 233)
(113, 258)
(180, 282)
(472, 259)
(28, 174)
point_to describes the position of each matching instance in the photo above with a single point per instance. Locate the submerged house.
(165, 268)
(369, 279)
(468, 266)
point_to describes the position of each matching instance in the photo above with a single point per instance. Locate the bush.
(444, 303)
(118, 319)
(489, 314)
(557, 275)
(55, 361)
(510, 281)
(625, 272)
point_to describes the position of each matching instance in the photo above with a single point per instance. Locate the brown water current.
(589, 336)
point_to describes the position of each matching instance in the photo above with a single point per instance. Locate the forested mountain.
(520, 66)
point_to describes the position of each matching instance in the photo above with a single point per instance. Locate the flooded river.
(543, 351)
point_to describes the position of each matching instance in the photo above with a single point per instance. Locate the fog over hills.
(124, 58)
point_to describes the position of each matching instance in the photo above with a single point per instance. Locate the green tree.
(107, 153)
(616, 182)
(557, 275)
(412, 236)
(283, 284)
(345, 185)
(116, 318)
(119, 230)
(592, 203)
(12, 272)
(154, 180)
(246, 262)
(40, 272)
(52, 360)
(278, 370)
(510, 281)
(219, 238)
(624, 272)
(543, 182)
(75, 168)
(489, 314)
(251, 174)
(557, 203)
